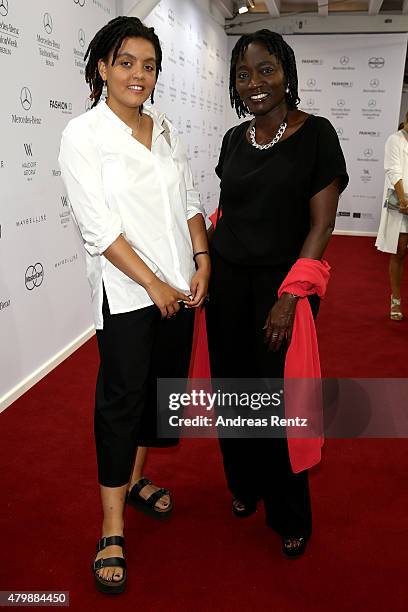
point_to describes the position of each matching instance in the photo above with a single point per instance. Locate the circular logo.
(310, 102)
(311, 82)
(34, 276)
(339, 131)
(79, 2)
(341, 103)
(88, 104)
(81, 37)
(376, 62)
(26, 98)
(344, 60)
(3, 8)
(47, 21)
(374, 82)
(368, 152)
(371, 103)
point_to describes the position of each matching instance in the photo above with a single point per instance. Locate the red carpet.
(204, 559)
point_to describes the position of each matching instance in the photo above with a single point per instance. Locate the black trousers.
(255, 468)
(135, 349)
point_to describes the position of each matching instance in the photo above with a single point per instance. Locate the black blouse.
(265, 194)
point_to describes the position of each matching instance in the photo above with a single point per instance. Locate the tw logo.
(64, 200)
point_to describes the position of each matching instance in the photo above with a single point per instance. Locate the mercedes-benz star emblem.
(341, 103)
(3, 8)
(81, 37)
(26, 98)
(374, 82)
(34, 276)
(47, 21)
(368, 152)
(372, 103)
(344, 60)
(311, 82)
(79, 2)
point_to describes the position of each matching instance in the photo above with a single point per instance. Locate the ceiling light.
(242, 7)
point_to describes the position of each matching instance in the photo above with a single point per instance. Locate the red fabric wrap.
(303, 397)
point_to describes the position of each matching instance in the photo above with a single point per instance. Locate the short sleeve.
(329, 159)
(224, 147)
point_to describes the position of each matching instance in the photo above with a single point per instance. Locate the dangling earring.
(105, 90)
(287, 90)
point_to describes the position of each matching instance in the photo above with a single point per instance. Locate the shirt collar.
(158, 118)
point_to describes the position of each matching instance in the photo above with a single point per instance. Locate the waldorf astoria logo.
(26, 101)
(34, 276)
(65, 214)
(29, 165)
(5, 304)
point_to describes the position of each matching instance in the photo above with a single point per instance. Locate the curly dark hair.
(110, 38)
(283, 52)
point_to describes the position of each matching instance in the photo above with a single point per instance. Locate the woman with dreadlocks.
(281, 175)
(142, 225)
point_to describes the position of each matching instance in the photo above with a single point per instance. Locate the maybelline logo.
(26, 102)
(342, 83)
(313, 61)
(31, 220)
(376, 62)
(4, 305)
(369, 133)
(66, 260)
(34, 276)
(65, 107)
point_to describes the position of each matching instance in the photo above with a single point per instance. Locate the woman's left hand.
(279, 322)
(199, 287)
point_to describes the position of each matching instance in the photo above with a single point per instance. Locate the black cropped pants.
(255, 468)
(135, 349)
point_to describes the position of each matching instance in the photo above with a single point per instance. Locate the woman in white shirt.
(393, 231)
(132, 196)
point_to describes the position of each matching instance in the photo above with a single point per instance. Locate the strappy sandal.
(290, 550)
(396, 315)
(148, 506)
(248, 509)
(111, 587)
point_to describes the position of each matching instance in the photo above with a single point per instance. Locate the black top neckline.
(280, 142)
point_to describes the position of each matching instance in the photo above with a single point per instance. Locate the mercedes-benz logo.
(344, 60)
(310, 102)
(339, 131)
(79, 2)
(374, 82)
(34, 276)
(26, 98)
(81, 37)
(47, 21)
(88, 104)
(311, 82)
(376, 62)
(3, 8)
(368, 152)
(341, 102)
(372, 103)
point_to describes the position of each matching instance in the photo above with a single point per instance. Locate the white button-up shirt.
(117, 186)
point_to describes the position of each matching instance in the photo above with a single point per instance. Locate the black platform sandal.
(148, 506)
(291, 550)
(111, 587)
(247, 510)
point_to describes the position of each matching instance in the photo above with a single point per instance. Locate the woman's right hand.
(403, 207)
(166, 297)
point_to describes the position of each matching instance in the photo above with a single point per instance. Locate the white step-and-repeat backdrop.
(44, 294)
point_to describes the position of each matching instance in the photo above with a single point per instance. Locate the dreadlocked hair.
(110, 38)
(276, 46)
